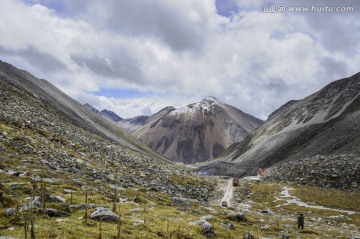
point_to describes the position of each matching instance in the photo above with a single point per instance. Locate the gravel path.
(228, 193)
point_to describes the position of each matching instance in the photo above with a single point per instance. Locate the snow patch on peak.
(205, 106)
(212, 99)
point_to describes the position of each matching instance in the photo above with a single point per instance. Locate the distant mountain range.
(66, 107)
(324, 123)
(313, 141)
(195, 133)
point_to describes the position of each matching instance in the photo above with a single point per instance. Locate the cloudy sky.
(135, 56)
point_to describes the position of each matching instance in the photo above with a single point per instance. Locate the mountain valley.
(195, 133)
(61, 165)
(323, 125)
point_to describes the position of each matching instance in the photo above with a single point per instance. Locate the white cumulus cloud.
(177, 52)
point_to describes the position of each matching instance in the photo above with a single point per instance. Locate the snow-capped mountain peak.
(196, 132)
(207, 106)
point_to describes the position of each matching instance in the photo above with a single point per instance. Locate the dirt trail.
(228, 193)
(289, 199)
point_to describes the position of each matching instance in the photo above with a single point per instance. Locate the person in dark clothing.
(300, 221)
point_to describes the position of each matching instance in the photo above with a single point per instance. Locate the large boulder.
(182, 202)
(36, 203)
(228, 225)
(9, 212)
(207, 229)
(55, 198)
(104, 214)
(236, 217)
(54, 212)
(248, 235)
(83, 206)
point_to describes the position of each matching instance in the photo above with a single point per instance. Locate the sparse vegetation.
(44, 152)
(154, 219)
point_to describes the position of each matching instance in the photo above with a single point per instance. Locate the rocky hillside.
(60, 177)
(45, 132)
(338, 171)
(324, 123)
(196, 133)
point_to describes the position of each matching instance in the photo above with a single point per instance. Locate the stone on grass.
(207, 229)
(267, 212)
(54, 212)
(82, 206)
(138, 199)
(105, 214)
(10, 211)
(33, 204)
(237, 217)
(228, 225)
(248, 235)
(54, 198)
(206, 217)
(182, 202)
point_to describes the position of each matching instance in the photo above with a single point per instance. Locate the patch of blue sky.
(277, 35)
(226, 8)
(229, 8)
(122, 93)
(57, 6)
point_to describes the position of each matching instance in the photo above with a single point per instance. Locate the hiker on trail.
(300, 221)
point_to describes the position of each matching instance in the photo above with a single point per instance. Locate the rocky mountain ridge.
(37, 135)
(128, 124)
(324, 123)
(60, 178)
(189, 134)
(197, 132)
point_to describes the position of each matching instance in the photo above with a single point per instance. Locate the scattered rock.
(248, 235)
(324, 171)
(207, 229)
(33, 204)
(54, 198)
(66, 190)
(228, 225)
(9, 212)
(54, 212)
(13, 173)
(206, 217)
(352, 227)
(82, 206)
(137, 199)
(182, 202)
(237, 217)
(135, 210)
(105, 214)
(285, 235)
(52, 180)
(267, 212)
(62, 220)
